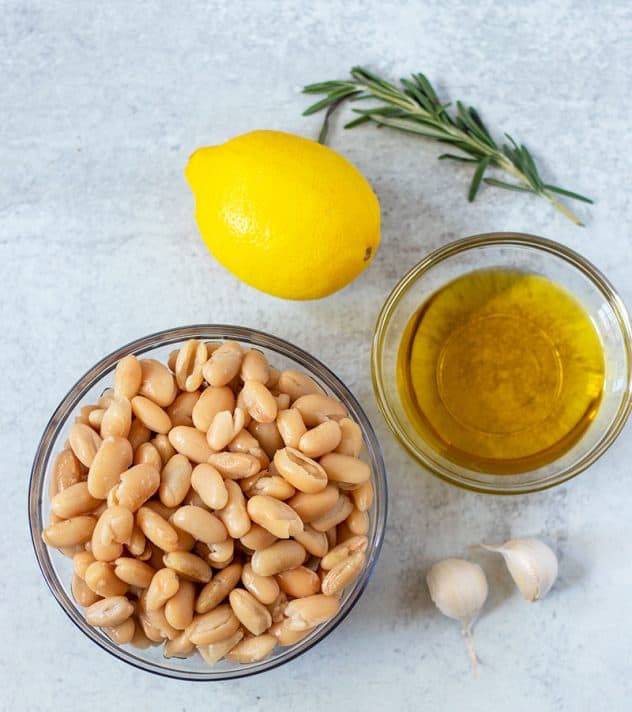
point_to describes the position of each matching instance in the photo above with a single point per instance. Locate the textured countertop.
(100, 106)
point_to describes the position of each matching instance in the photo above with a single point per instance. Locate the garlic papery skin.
(459, 589)
(532, 565)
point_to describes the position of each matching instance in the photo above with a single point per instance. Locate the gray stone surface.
(100, 105)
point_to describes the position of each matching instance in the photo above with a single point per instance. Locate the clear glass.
(57, 569)
(530, 254)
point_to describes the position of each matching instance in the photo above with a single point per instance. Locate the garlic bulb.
(532, 565)
(458, 589)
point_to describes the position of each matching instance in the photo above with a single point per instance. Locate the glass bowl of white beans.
(227, 590)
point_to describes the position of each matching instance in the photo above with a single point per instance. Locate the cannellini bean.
(180, 647)
(280, 556)
(299, 582)
(95, 418)
(147, 454)
(343, 551)
(321, 439)
(84, 442)
(252, 649)
(300, 471)
(312, 506)
(283, 401)
(358, 522)
(211, 627)
(151, 414)
(217, 554)
(362, 496)
(214, 652)
(157, 621)
(127, 377)
(351, 438)
(278, 606)
(200, 523)
(291, 426)
(157, 506)
(267, 435)
(179, 608)
(286, 635)
(257, 538)
(82, 593)
(113, 457)
(81, 561)
(138, 484)
(138, 434)
(212, 401)
(234, 515)
(255, 367)
(344, 468)
(157, 529)
(186, 541)
(164, 584)
(175, 480)
(272, 486)
(314, 542)
(69, 532)
(66, 471)
(297, 384)
(235, 465)
(136, 543)
(224, 428)
(338, 513)
(140, 640)
(216, 590)
(343, 573)
(134, 572)
(188, 566)
(316, 409)
(117, 419)
(188, 366)
(157, 383)
(74, 500)
(259, 402)
(310, 611)
(123, 633)
(180, 412)
(275, 516)
(243, 442)
(111, 611)
(164, 448)
(264, 588)
(101, 578)
(190, 442)
(113, 529)
(224, 364)
(106, 398)
(252, 614)
(273, 377)
(209, 485)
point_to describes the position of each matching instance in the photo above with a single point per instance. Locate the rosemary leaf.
(477, 177)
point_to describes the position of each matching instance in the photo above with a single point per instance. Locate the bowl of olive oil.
(503, 363)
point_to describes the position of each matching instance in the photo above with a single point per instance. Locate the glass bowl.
(530, 254)
(57, 569)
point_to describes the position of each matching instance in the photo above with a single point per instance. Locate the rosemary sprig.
(415, 107)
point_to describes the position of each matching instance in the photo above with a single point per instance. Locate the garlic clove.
(458, 588)
(532, 565)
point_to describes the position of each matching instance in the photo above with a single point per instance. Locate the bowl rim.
(66, 409)
(473, 242)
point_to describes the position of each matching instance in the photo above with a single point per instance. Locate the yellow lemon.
(284, 214)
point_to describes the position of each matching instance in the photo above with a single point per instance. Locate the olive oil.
(501, 371)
